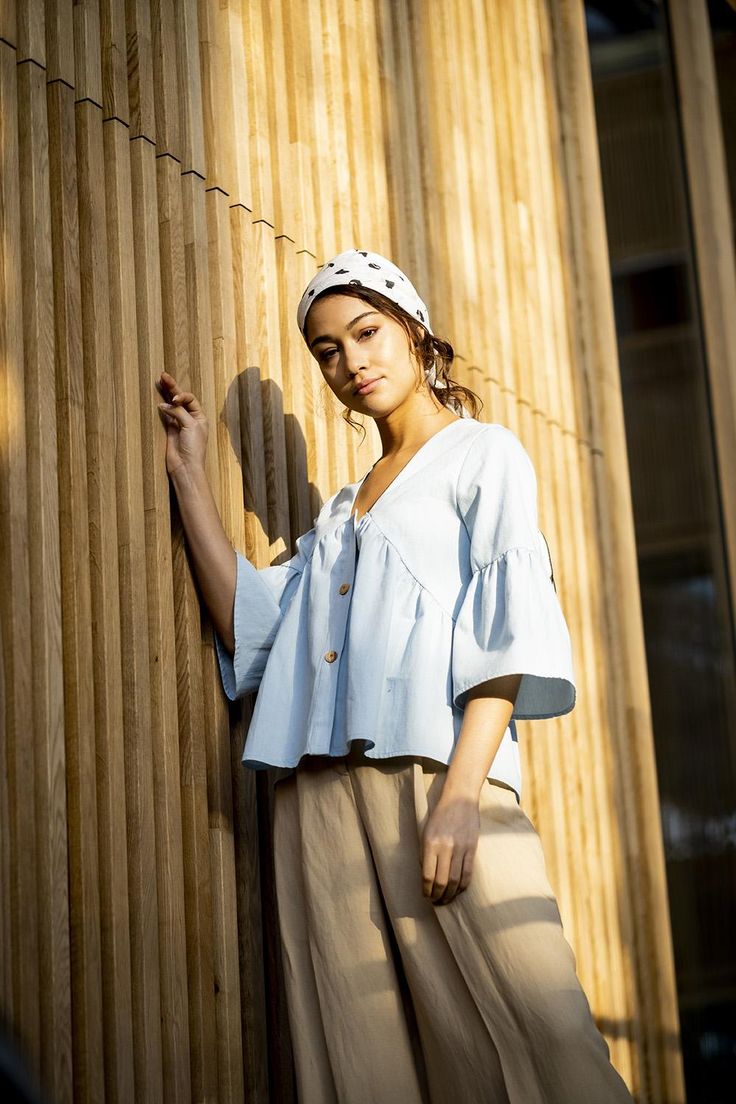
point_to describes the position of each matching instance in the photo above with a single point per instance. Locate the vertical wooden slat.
(157, 922)
(35, 356)
(368, 135)
(226, 438)
(296, 386)
(44, 554)
(165, 85)
(587, 794)
(298, 64)
(546, 749)
(114, 62)
(102, 504)
(140, 71)
(402, 161)
(21, 941)
(184, 886)
(9, 23)
(276, 91)
(238, 981)
(262, 192)
(152, 790)
(489, 337)
(202, 879)
(213, 894)
(30, 31)
(131, 545)
(316, 429)
(79, 701)
(189, 87)
(60, 41)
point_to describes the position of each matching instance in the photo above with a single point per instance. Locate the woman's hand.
(186, 426)
(449, 843)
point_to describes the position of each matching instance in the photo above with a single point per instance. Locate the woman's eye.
(328, 352)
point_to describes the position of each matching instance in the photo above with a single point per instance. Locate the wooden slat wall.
(172, 175)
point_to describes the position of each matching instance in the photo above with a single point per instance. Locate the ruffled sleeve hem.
(256, 618)
(511, 622)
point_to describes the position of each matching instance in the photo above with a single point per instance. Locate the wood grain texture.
(76, 591)
(45, 584)
(21, 965)
(226, 433)
(109, 681)
(152, 789)
(136, 683)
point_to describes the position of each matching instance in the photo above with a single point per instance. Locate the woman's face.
(353, 342)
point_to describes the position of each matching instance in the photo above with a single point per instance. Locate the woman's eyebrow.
(326, 337)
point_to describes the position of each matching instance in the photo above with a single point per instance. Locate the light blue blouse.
(376, 629)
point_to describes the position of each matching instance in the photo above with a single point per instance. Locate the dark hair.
(430, 350)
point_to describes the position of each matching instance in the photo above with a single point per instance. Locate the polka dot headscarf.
(364, 269)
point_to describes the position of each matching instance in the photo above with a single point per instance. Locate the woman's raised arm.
(213, 555)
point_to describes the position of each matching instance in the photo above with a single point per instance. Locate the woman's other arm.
(486, 716)
(450, 836)
(213, 555)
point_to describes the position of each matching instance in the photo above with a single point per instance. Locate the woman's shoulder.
(492, 448)
(491, 434)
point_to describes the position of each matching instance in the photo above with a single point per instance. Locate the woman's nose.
(355, 361)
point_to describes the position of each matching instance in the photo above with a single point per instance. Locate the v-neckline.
(397, 478)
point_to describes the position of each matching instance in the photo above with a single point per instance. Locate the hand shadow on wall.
(271, 450)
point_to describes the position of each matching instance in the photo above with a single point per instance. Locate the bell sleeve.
(262, 596)
(509, 620)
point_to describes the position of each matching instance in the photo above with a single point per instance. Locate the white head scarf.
(365, 269)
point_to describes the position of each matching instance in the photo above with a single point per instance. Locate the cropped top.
(376, 629)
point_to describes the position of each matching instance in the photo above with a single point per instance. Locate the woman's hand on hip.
(186, 426)
(449, 843)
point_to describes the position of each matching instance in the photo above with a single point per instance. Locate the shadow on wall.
(270, 467)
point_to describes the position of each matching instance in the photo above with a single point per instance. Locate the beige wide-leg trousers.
(394, 998)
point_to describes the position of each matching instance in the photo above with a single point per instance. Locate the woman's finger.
(467, 873)
(189, 400)
(179, 414)
(166, 385)
(169, 421)
(429, 868)
(443, 873)
(453, 880)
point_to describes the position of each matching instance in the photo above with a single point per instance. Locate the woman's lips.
(368, 386)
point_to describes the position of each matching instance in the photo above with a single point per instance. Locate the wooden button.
(345, 588)
(330, 656)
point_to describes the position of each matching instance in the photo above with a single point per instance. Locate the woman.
(422, 944)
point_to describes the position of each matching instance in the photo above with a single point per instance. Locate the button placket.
(319, 740)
